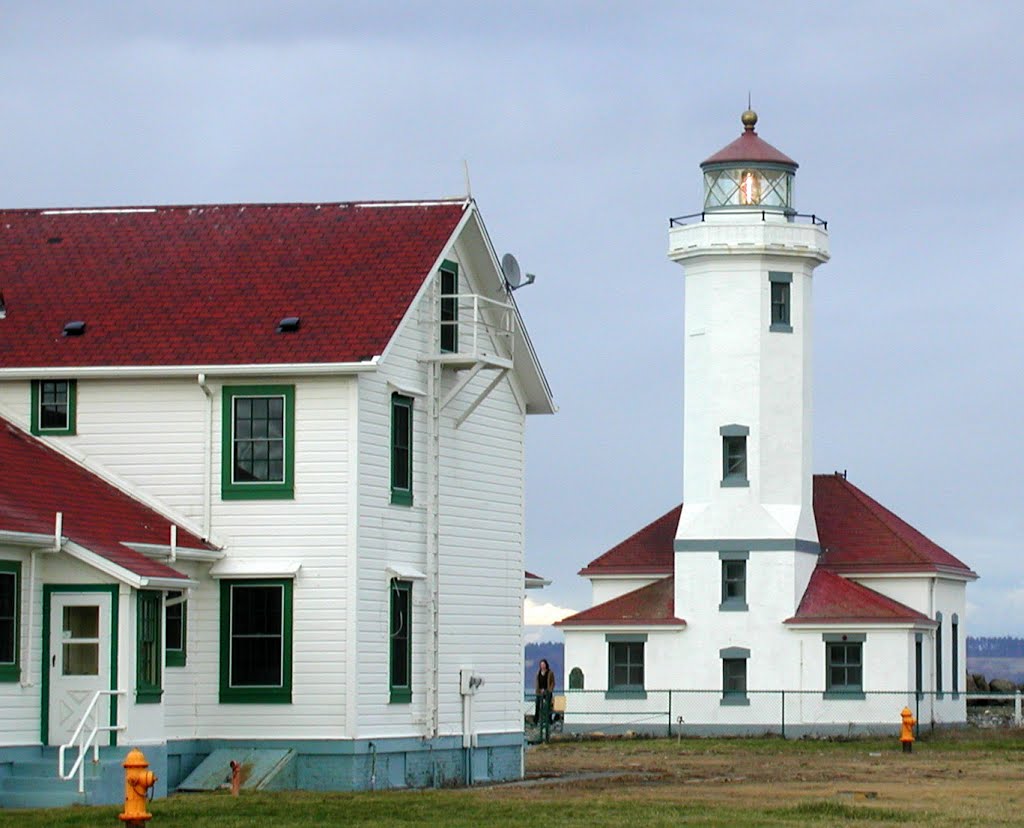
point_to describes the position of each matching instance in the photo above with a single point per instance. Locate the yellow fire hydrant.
(907, 730)
(137, 781)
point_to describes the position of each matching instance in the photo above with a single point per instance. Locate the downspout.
(207, 457)
(58, 527)
(174, 543)
(433, 530)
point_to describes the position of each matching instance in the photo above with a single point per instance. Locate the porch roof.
(38, 482)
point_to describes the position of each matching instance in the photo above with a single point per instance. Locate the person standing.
(544, 688)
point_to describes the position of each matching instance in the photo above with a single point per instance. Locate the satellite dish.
(510, 267)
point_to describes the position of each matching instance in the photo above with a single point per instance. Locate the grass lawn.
(970, 778)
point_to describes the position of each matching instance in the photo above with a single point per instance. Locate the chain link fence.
(789, 713)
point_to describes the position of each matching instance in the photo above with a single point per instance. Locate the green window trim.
(626, 666)
(401, 449)
(938, 655)
(53, 395)
(175, 632)
(279, 693)
(276, 489)
(449, 333)
(844, 667)
(148, 636)
(400, 642)
(780, 301)
(954, 636)
(10, 625)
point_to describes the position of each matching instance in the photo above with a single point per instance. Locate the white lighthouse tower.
(746, 543)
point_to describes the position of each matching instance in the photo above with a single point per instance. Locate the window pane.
(400, 633)
(256, 635)
(175, 627)
(81, 660)
(259, 436)
(81, 622)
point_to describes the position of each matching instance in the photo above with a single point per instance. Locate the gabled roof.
(207, 285)
(858, 534)
(832, 599)
(37, 482)
(647, 552)
(651, 605)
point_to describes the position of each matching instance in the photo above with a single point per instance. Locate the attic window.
(74, 328)
(288, 324)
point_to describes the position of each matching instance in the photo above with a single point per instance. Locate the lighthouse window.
(734, 455)
(780, 301)
(734, 581)
(844, 665)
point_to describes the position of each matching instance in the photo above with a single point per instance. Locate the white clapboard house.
(261, 495)
(767, 578)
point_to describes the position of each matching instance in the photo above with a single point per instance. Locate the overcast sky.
(583, 125)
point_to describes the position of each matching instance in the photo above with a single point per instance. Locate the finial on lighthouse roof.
(749, 119)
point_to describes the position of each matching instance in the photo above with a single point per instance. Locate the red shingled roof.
(207, 285)
(749, 147)
(858, 534)
(832, 599)
(38, 482)
(649, 605)
(648, 551)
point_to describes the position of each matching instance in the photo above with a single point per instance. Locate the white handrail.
(90, 741)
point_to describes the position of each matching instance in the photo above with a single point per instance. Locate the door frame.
(48, 592)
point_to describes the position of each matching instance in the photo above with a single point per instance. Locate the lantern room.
(749, 174)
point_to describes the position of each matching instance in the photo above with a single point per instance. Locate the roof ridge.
(639, 532)
(130, 208)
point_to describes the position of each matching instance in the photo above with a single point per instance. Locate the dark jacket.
(547, 686)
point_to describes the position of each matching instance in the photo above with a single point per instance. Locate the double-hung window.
(734, 675)
(734, 581)
(938, 653)
(844, 665)
(401, 641)
(258, 442)
(954, 643)
(734, 455)
(449, 276)
(780, 284)
(256, 641)
(175, 629)
(53, 407)
(10, 616)
(626, 663)
(401, 449)
(148, 672)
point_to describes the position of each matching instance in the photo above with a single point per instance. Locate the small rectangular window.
(843, 669)
(780, 284)
(401, 449)
(734, 460)
(449, 307)
(148, 687)
(258, 444)
(10, 620)
(175, 630)
(918, 666)
(401, 641)
(734, 584)
(626, 665)
(954, 661)
(53, 407)
(734, 679)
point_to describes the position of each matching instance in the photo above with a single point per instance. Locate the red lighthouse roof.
(749, 147)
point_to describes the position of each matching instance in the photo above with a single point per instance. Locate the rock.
(1002, 686)
(978, 682)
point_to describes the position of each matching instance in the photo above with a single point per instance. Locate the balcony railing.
(695, 218)
(483, 329)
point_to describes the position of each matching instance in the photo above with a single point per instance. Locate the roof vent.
(3, 306)
(289, 324)
(54, 240)
(74, 328)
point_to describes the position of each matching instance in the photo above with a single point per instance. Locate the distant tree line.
(1006, 646)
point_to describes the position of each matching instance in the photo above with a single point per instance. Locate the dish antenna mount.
(513, 275)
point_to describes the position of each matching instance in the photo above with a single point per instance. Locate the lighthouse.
(746, 542)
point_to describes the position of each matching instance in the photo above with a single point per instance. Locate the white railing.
(481, 322)
(89, 740)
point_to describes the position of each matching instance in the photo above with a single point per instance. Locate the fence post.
(783, 692)
(669, 714)
(1016, 708)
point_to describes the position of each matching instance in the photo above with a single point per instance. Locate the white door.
(79, 659)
